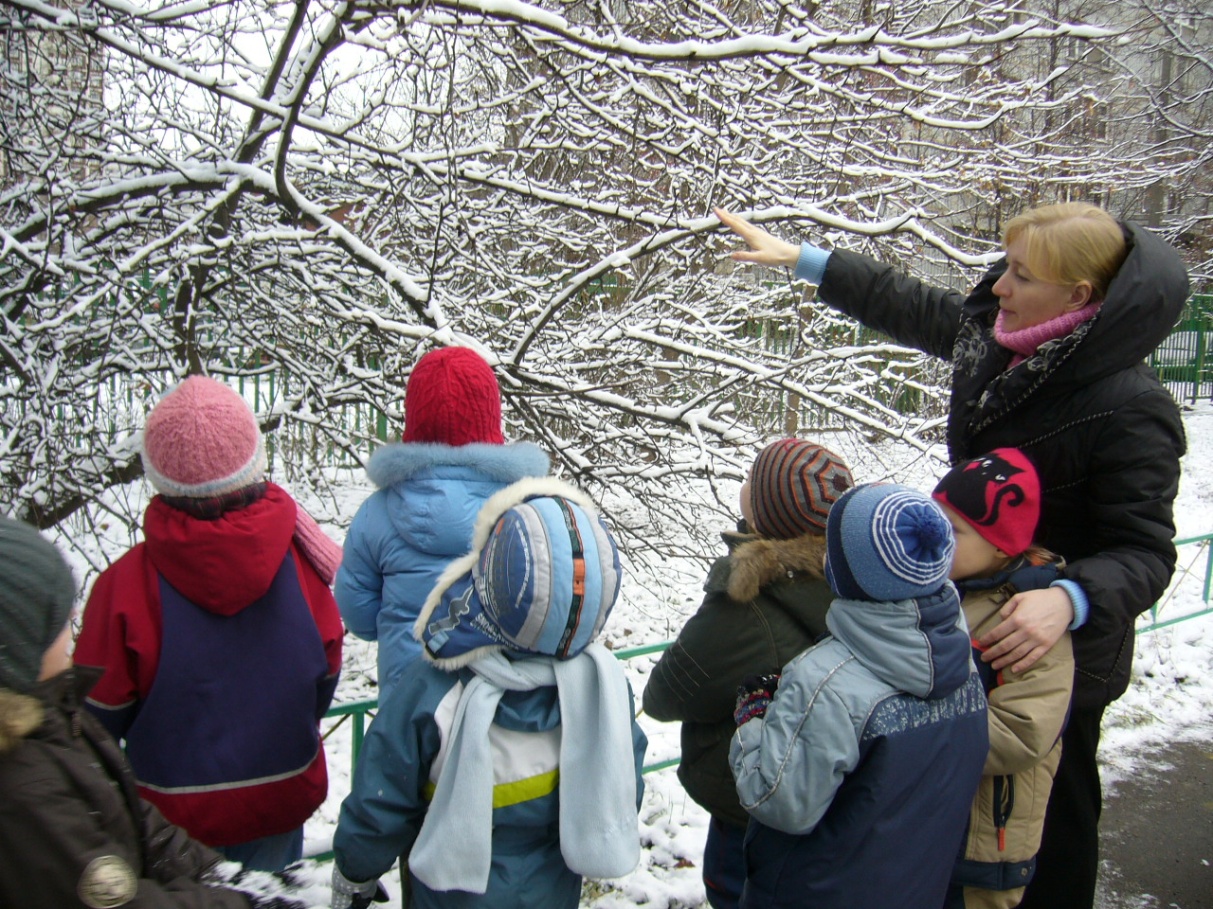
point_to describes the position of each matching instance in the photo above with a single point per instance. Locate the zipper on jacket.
(1004, 803)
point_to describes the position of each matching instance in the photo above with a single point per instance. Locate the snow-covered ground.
(1168, 700)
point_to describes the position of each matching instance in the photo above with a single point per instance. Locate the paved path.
(1156, 834)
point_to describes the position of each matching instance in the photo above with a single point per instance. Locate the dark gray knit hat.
(36, 596)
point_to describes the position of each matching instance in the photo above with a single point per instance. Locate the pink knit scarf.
(1026, 341)
(323, 553)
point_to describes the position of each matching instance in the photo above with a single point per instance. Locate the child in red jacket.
(219, 636)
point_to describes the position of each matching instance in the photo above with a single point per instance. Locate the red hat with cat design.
(998, 494)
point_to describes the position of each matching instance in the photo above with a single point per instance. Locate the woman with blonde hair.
(1047, 353)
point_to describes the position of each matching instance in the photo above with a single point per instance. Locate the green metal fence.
(1184, 361)
(1204, 546)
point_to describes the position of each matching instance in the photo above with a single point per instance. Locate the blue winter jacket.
(407, 532)
(860, 777)
(393, 784)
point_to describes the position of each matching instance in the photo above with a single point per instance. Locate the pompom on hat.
(201, 441)
(452, 398)
(998, 494)
(36, 596)
(542, 577)
(887, 542)
(793, 483)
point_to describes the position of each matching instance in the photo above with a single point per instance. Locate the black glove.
(754, 696)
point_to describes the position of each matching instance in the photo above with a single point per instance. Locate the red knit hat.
(452, 398)
(998, 494)
(793, 483)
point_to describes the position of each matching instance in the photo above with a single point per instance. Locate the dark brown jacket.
(73, 831)
(765, 603)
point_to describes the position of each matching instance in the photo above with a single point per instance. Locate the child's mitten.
(754, 696)
(349, 894)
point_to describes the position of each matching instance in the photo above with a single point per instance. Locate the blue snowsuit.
(407, 532)
(394, 783)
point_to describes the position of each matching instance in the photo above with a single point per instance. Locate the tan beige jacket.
(1027, 712)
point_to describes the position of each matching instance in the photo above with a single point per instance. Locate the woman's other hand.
(765, 249)
(1032, 622)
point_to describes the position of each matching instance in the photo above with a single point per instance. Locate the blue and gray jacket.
(407, 532)
(860, 777)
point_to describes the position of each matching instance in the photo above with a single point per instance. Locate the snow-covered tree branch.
(304, 196)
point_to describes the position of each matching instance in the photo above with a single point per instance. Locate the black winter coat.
(73, 830)
(765, 602)
(1104, 433)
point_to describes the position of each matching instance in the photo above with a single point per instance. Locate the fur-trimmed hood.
(20, 714)
(402, 461)
(756, 562)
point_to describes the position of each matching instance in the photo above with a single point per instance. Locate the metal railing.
(1204, 542)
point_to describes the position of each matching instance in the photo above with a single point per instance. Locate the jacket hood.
(920, 646)
(756, 562)
(226, 564)
(471, 634)
(1144, 301)
(402, 461)
(1143, 304)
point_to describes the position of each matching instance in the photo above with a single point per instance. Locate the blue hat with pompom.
(542, 577)
(887, 542)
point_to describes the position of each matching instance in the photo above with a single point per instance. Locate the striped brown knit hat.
(793, 483)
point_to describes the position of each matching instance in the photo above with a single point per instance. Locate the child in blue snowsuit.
(432, 484)
(859, 762)
(505, 765)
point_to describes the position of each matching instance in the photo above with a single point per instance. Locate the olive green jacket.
(765, 603)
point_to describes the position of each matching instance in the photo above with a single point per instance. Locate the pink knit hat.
(452, 398)
(202, 440)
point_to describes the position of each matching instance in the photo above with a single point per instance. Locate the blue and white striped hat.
(887, 542)
(542, 577)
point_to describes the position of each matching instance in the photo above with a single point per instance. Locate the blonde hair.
(1070, 243)
(1038, 555)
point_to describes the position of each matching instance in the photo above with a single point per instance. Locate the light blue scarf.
(598, 824)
